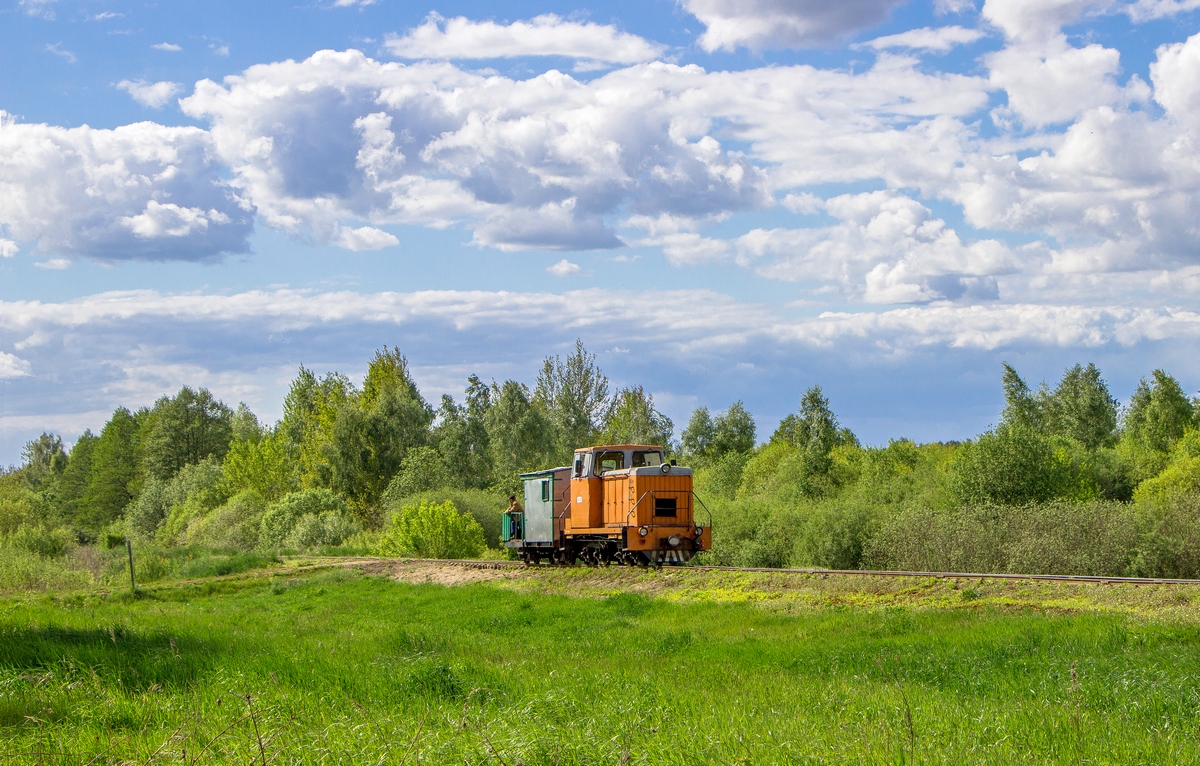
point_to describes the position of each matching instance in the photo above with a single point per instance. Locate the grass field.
(342, 667)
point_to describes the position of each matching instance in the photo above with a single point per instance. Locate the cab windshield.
(610, 461)
(641, 459)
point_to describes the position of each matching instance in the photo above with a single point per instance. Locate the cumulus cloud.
(938, 40)
(13, 366)
(761, 24)
(565, 268)
(169, 47)
(141, 191)
(152, 94)
(884, 248)
(365, 238)
(536, 163)
(8, 248)
(546, 35)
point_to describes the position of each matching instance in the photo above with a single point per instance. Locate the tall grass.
(339, 669)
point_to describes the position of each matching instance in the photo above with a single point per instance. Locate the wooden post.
(129, 550)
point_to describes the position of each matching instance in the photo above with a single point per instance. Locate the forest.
(1069, 480)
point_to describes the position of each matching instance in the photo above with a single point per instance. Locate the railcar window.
(647, 459)
(611, 461)
(545, 490)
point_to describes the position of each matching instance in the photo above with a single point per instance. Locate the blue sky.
(725, 200)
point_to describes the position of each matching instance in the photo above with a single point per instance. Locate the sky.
(724, 199)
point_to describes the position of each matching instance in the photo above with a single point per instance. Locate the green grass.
(341, 668)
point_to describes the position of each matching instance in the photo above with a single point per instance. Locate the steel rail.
(1092, 579)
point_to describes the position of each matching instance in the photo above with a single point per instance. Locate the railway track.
(1093, 579)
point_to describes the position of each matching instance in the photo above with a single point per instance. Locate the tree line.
(192, 470)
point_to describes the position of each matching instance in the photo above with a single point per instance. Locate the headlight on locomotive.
(643, 531)
(699, 532)
(674, 541)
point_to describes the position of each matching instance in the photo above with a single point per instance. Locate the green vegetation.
(1067, 481)
(342, 668)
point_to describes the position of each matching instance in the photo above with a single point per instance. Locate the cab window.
(610, 461)
(641, 459)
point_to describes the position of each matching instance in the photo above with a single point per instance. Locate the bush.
(235, 525)
(1011, 465)
(485, 506)
(1084, 538)
(48, 543)
(329, 528)
(1170, 541)
(282, 518)
(421, 470)
(427, 530)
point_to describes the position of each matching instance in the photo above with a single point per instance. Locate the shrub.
(1012, 465)
(329, 528)
(1170, 540)
(485, 506)
(283, 517)
(428, 530)
(48, 543)
(1085, 538)
(421, 470)
(21, 570)
(235, 525)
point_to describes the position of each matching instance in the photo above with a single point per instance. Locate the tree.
(733, 431)
(1020, 406)
(1012, 465)
(43, 460)
(420, 471)
(1081, 409)
(75, 477)
(814, 431)
(462, 438)
(310, 410)
(519, 433)
(113, 480)
(697, 438)
(263, 465)
(244, 424)
(186, 429)
(632, 419)
(374, 431)
(1159, 413)
(574, 394)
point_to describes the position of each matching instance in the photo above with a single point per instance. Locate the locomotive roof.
(545, 472)
(621, 446)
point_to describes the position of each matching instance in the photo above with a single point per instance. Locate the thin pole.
(129, 550)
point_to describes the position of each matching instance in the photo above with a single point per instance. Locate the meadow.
(339, 666)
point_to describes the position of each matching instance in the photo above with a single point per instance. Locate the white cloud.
(171, 47)
(942, 7)
(885, 248)
(938, 40)
(154, 95)
(13, 367)
(8, 248)
(105, 16)
(365, 238)
(565, 268)
(1145, 10)
(141, 191)
(58, 50)
(760, 24)
(54, 264)
(353, 3)
(546, 35)
(41, 8)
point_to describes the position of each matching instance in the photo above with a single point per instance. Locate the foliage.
(421, 470)
(234, 525)
(1089, 538)
(429, 530)
(283, 517)
(48, 543)
(485, 506)
(574, 396)
(632, 419)
(185, 429)
(462, 437)
(114, 474)
(1012, 464)
(519, 433)
(261, 464)
(1159, 413)
(193, 492)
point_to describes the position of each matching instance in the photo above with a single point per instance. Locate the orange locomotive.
(618, 502)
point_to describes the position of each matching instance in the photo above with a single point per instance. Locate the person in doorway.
(516, 512)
